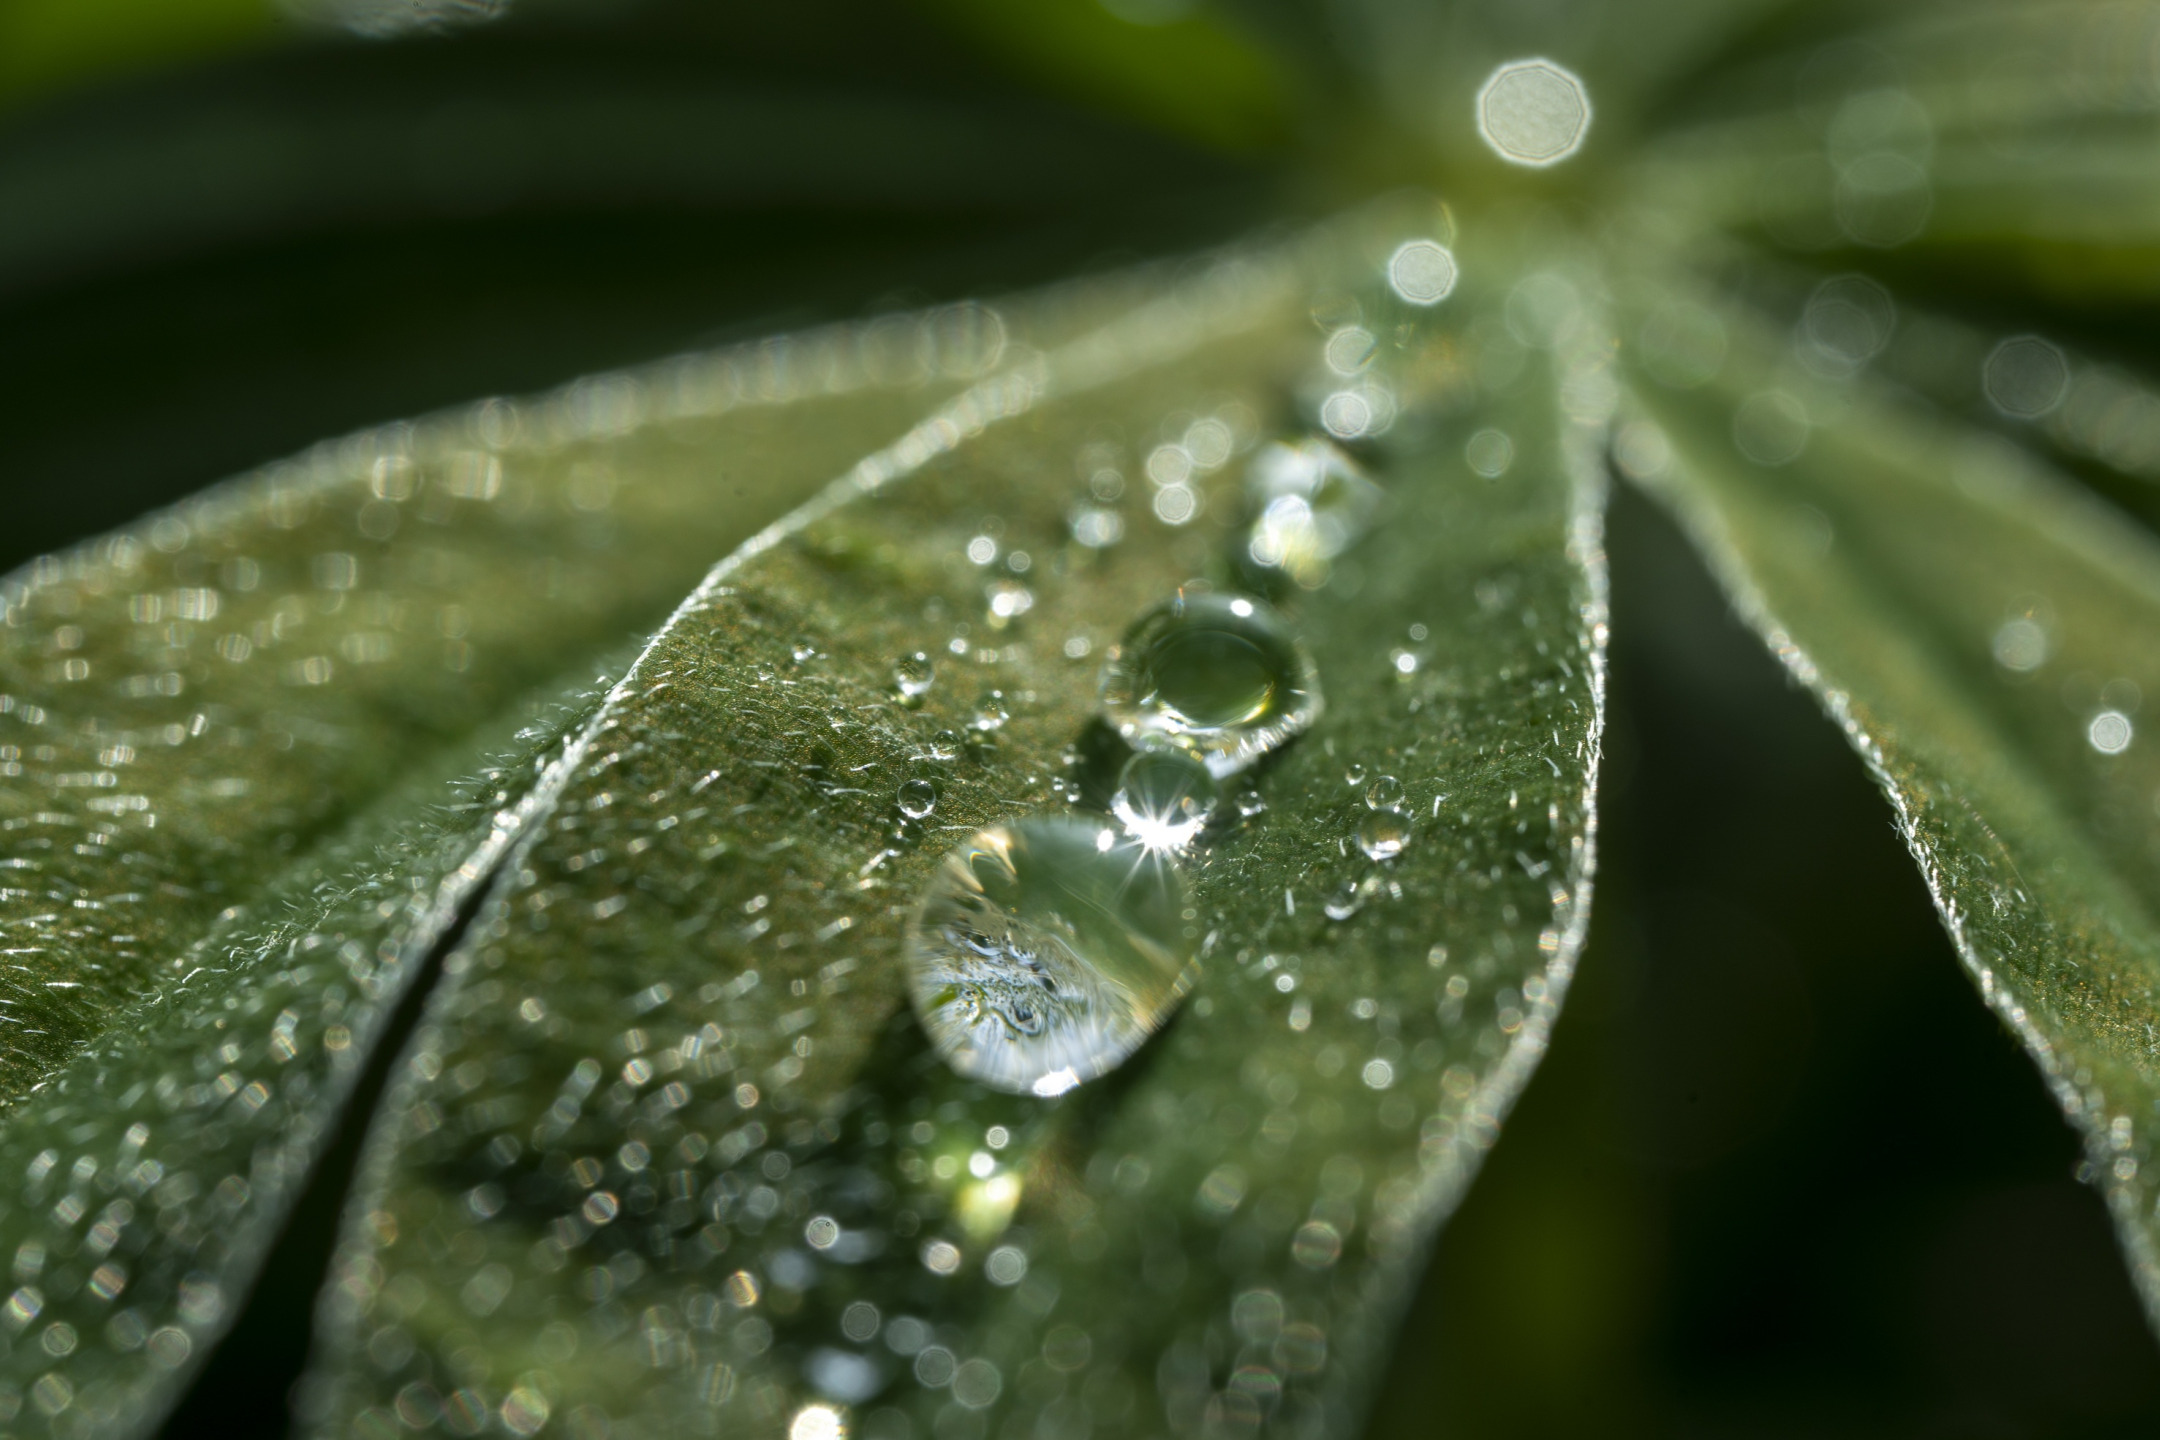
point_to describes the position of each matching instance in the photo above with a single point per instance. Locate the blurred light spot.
(982, 549)
(1349, 350)
(1096, 527)
(841, 1375)
(1421, 271)
(2109, 732)
(816, 1422)
(1771, 428)
(1533, 112)
(1490, 453)
(1847, 323)
(2025, 377)
(1176, 504)
(2021, 644)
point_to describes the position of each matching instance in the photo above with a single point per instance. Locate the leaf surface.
(672, 1156)
(260, 749)
(1980, 628)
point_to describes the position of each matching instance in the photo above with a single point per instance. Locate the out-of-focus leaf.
(2007, 139)
(1981, 630)
(1167, 64)
(671, 1156)
(45, 44)
(254, 754)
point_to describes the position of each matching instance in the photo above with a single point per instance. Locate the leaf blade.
(494, 1133)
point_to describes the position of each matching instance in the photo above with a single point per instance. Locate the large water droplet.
(917, 798)
(1219, 676)
(1046, 950)
(1164, 798)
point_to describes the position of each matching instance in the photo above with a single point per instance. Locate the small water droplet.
(913, 674)
(1047, 950)
(1344, 901)
(1251, 803)
(1355, 775)
(917, 798)
(1220, 676)
(990, 711)
(1383, 834)
(1164, 798)
(1385, 793)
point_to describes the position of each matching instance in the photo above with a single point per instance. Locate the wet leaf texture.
(258, 750)
(671, 1155)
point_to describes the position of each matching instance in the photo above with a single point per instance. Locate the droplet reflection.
(1219, 676)
(1164, 798)
(1046, 951)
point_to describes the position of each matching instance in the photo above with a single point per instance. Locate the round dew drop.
(1164, 798)
(913, 674)
(1045, 952)
(1383, 834)
(1218, 676)
(917, 798)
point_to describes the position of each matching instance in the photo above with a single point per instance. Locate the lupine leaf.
(1980, 628)
(671, 1155)
(259, 749)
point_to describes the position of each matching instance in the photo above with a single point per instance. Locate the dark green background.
(1782, 1175)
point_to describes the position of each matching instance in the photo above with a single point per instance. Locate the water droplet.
(1533, 112)
(1385, 793)
(1164, 798)
(917, 798)
(913, 674)
(1344, 901)
(1046, 951)
(1383, 835)
(1218, 675)
(990, 711)
(1421, 271)
(1355, 775)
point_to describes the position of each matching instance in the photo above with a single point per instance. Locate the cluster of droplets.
(1046, 950)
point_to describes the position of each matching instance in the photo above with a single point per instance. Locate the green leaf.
(256, 752)
(1979, 627)
(671, 1154)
